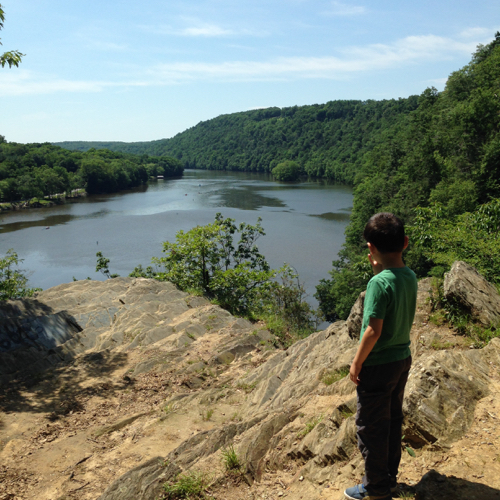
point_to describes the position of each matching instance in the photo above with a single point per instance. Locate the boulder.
(464, 286)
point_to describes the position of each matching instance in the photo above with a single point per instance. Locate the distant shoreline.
(49, 201)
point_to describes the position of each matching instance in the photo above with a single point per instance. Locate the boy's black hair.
(386, 232)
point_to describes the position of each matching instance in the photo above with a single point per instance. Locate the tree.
(13, 57)
(205, 259)
(13, 281)
(286, 171)
(103, 266)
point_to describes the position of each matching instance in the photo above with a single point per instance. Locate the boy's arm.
(370, 337)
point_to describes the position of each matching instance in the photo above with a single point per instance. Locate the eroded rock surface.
(465, 286)
(162, 382)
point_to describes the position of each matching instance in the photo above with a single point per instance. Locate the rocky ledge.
(111, 389)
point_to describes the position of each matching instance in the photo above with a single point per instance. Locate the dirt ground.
(71, 433)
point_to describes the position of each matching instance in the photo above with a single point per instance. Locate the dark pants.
(379, 418)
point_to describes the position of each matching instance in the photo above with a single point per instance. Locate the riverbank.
(47, 201)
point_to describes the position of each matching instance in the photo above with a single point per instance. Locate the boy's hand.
(354, 372)
(376, 266)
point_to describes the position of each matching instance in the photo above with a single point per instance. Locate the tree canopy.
(13, 57)
(36, 170)
(325, 140)
(440, 173)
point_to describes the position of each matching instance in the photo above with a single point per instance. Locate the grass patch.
(190, 486)
(309, 426)
(170, 408)
(346, 412)
(230, 459)
(206, 416)
(406, 495)
(446, 311)
(330, 378)
(246, 387)
(437, 345)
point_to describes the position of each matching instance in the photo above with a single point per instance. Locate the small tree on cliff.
(13, 281)
(206, 259)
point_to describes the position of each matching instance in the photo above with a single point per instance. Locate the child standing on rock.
(383, 359)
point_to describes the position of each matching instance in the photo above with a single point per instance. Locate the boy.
(383, 359)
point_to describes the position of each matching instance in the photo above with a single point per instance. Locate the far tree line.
(36, 170)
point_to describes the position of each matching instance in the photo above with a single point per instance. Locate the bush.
(286, 171)
(13, 281)
(189, 486)
(206, 258)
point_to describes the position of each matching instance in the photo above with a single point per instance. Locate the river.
(304, 224)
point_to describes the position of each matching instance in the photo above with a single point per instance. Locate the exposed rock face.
(163, 362)
(464, 285)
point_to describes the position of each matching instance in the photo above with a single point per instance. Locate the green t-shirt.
(391, 295)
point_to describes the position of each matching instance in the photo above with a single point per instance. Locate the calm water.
(304, 225)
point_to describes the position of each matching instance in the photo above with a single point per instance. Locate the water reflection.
(339, 217)
(50, 221)
(247, 198)
(304, 224)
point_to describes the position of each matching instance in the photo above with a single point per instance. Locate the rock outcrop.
(157, 382)
(464, 286)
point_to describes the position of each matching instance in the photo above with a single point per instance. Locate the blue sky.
(138, 71)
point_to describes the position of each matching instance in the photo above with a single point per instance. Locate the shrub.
(13, 281)
(286, 171)
(190, 485)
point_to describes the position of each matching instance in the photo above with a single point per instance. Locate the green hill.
(327, 140)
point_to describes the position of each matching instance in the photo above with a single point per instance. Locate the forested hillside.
(327, 141)
(441, 174)
(433, 159)
(36, 170)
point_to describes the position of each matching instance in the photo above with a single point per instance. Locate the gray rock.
(355, 319)
(143, 482)
(466, 287)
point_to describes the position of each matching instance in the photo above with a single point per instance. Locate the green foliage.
(439, 238)
(206, 416)
(448, 311)
(230, 459)
(349, 278)
(439, 170)
(286, 171)
(330, 378)
(437, 345)
(102, 265)
(282, 306)
(207, 259)
(139, 272)
(310, 425)
(407, 448)
(13, 57)
(246, 387)
(36, 170)
(326, 140)
(190, 486)
(13, 281)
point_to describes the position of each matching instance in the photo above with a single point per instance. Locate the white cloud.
(477, 33)
(347, 62)
(23, 82)
(344, 9)
(195, 29)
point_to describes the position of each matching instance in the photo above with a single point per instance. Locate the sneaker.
(359, 492)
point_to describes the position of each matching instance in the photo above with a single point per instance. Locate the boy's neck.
(391, 260)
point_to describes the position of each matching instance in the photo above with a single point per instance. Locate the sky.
(126, 70)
